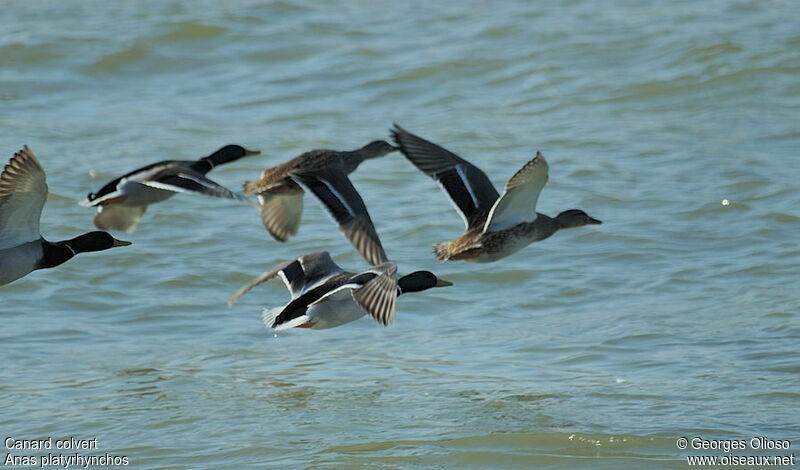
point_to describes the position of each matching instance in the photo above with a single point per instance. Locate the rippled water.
(596, 348)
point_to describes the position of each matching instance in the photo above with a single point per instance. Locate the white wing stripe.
(95, 202)
(340, 198)
(336, 291)
(465, 180)
(197, 180)
(285, 281)
(453, 203)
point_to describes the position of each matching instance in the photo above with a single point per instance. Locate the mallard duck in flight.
(323, 173)
(325, 296)
(23, 191)
(496, 225)
(122, 201)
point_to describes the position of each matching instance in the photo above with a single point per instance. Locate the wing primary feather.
(521, 193)
(23, 191)
(461, 173)
(281, 213)
(378, 296)
(185, 182)
(260, 279)
(341, 200)
(466, 185)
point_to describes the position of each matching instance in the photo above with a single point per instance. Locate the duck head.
(420, 281)
(61, 252)
(376, 148)
(575, 218)
(230, 153)
(94, 241)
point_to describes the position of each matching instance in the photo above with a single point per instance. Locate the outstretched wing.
(262, 278)
(23, 191)
(118, 217)
(315, 267)
(111, 189)
(297, 274)
(334, 189)
(186, 180)
(467, 186)
(378, 296)
(518, 202)
(281, 209)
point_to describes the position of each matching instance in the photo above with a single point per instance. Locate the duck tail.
(273, 320)
(441, 251)
(251, 187)
(270, 315)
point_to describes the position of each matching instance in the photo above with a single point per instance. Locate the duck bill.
(120, 243)
(252, 152)
(442, 283)
(594, 221)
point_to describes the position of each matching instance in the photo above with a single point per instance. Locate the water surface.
(596, 348)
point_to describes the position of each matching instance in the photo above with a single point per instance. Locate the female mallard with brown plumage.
(496, 225)
(323, 173)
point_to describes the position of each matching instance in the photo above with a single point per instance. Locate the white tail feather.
(270, 314)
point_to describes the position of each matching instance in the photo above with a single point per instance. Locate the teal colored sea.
(675, 123)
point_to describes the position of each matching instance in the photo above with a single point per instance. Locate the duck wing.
(281, 208)
(110, 189)
(335, 191)
(281, 213)
(118, 217)
(260, 279)
(297, 274)
(170, 175)
(181, 179)
(518, 202)
(378, 295)
(468, 187)
(315, 267)
(23, 191)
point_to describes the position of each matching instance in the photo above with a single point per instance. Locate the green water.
(597, 348)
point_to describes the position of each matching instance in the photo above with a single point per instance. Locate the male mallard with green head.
(325, 296)
(23, 192)
(123, 201)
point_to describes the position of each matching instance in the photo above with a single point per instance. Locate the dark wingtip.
(395, 133)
